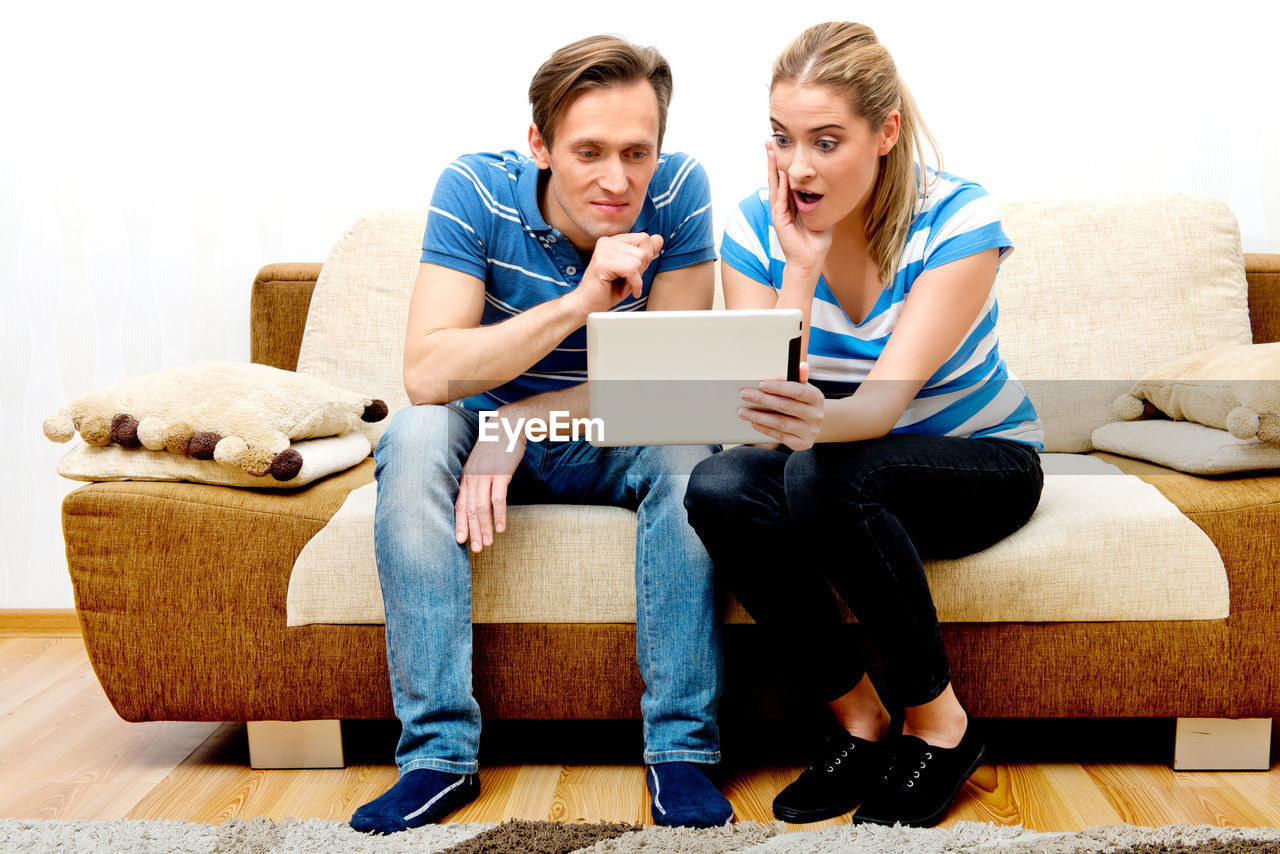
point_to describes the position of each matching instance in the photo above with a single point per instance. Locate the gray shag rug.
(260, 836)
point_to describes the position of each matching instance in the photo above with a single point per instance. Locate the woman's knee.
(828, 492)
(721, 484)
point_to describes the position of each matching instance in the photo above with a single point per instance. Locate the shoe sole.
(936, 816)
(798, 816)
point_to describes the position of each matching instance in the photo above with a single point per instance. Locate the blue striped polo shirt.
(484, 220)
(973, 394)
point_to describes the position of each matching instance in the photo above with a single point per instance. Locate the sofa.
(184, 591)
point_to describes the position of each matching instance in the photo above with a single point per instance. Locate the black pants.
(785, 528)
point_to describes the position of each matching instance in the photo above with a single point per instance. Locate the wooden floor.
(65, 754)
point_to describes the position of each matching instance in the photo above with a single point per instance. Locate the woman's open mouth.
(806, 202)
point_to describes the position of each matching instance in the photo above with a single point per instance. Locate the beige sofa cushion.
(1102, 546)
(556, 563)
(1101, 291)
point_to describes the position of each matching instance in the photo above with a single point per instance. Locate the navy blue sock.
(420, 797)
(684, 797)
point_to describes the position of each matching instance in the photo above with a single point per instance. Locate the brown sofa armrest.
(181, 590)
(278, 313)
(1263, 272)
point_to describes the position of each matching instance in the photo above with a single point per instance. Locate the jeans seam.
(701, 757)
(444, 765)
(642, 550)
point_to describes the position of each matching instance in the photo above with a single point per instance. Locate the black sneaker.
(845, 773)
(922, 781)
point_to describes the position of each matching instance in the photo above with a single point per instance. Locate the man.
(517, 253)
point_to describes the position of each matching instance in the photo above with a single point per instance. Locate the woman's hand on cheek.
(788, 412)
(805, 250)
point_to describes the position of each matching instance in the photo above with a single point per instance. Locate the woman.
(933, 454)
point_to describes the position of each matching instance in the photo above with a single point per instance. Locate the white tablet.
(675, 377)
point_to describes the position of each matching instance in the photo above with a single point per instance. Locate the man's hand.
(792, 413)
(481, 508)
(616, 270)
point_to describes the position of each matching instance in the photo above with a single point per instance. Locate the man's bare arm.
(686, 289)
(448, 355)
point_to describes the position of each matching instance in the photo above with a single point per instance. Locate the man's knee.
(413, 426)
(426, 434)
(659, 473)
(672, 460)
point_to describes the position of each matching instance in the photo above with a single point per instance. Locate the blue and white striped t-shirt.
(973, 394)
(484, 220)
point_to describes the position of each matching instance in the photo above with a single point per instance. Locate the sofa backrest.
(356, 323)
(1100, 291)
(1097, 293)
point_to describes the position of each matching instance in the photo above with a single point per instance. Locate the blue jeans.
(784, 529)
(426, 583)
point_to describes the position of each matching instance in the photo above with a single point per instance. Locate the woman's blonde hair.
(849, 59)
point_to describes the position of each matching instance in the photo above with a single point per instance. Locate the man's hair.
(595, 62)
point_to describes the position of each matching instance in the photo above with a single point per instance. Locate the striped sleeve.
(744, 245)
(454, 238)
(965, 223)
(686, 206)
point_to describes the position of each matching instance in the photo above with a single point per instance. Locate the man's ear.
(889, 132)
(538, 148)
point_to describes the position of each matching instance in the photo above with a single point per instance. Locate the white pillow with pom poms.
(250, 419)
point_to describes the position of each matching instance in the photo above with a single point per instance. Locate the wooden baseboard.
(39, 623)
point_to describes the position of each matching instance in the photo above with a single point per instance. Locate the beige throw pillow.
(238, 414)
(1235, 388)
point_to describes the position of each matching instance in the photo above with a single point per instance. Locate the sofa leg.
(295, 744)
(1222, 744)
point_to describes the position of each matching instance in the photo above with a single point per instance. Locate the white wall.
(155, 155)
